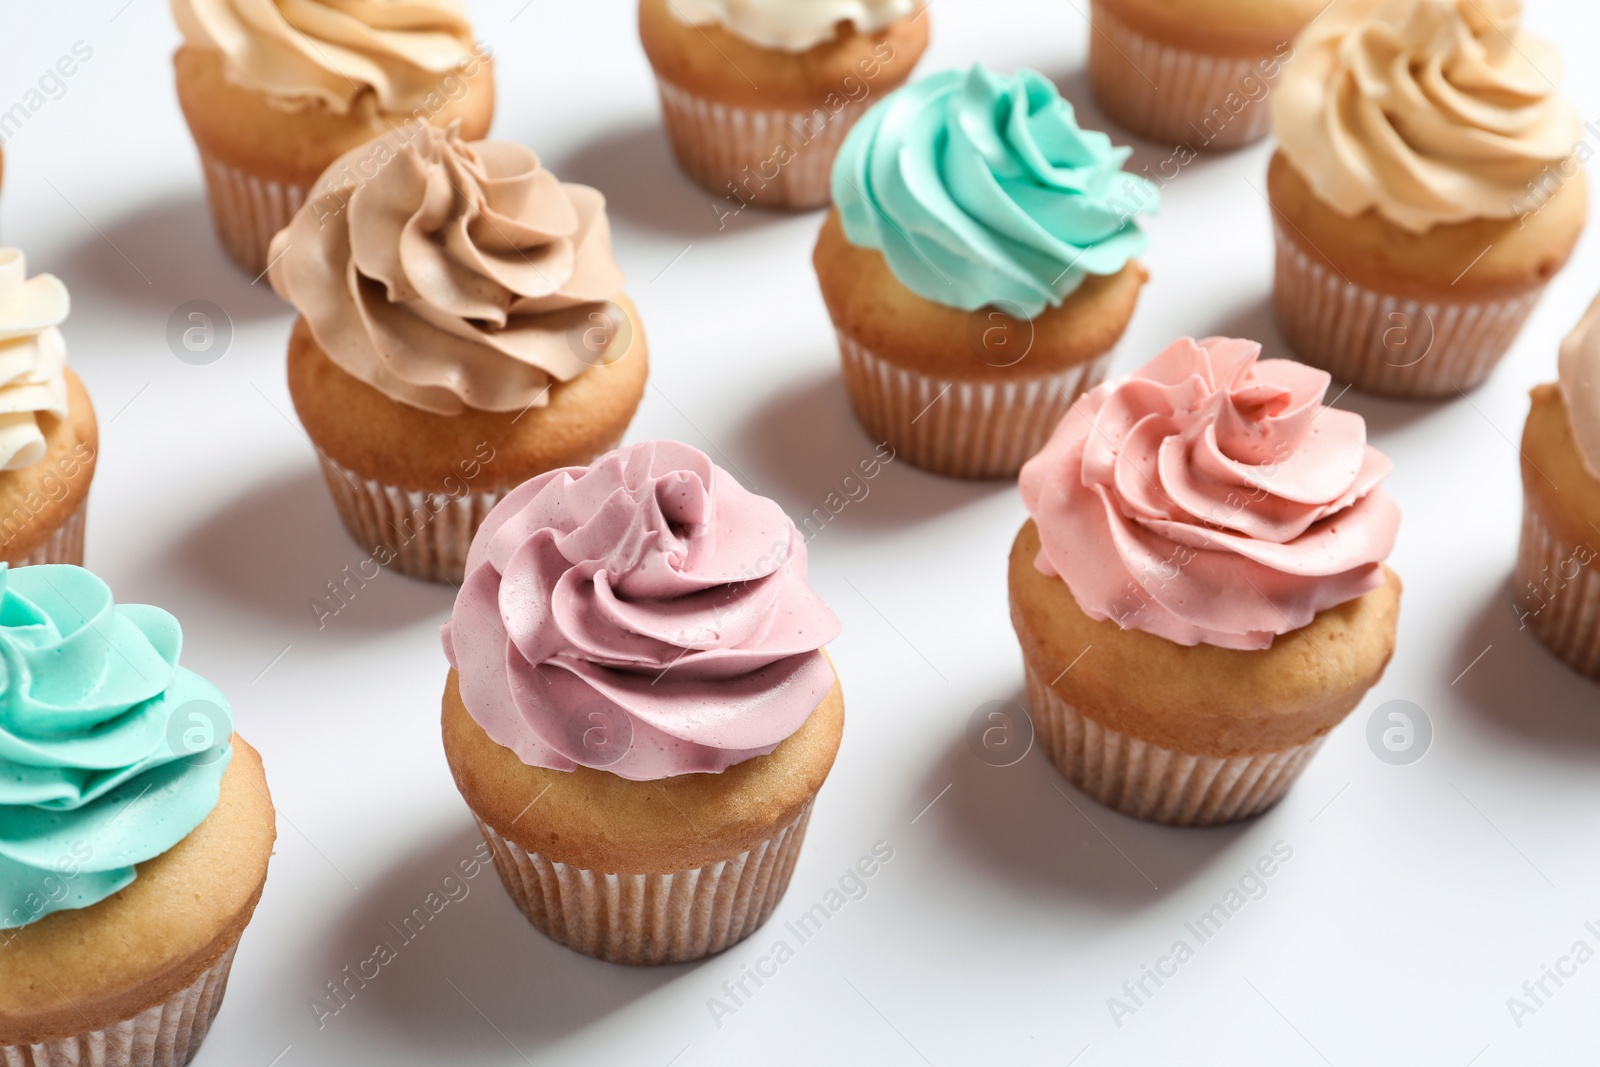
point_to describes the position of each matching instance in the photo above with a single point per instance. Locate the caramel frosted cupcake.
(978, 267)
(757, 95)
(1192, 72)
(1558, 575)
(462, 328)
(49, 438)
(135, 830)
(638, 711)
(1200, 595)
(1424, 191)
(276, 90)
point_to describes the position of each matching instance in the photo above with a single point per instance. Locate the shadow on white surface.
(159, 256)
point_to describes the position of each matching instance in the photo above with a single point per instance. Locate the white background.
(1418, 898)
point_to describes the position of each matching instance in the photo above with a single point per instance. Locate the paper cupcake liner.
(1563, 611)
(247, 211)
(1390, 345)
(651, 918)
(1158, 784)
(167, 1035)
(63, 546)
(960, 429)
(1173, 94)
(733, 151)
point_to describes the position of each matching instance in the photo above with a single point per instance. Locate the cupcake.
(1424, 190)
(757, 95)
(1557, 582)
(135, 830)
(1193, 73)
(1200, 593)
(978, 266)
(48, 434)
(462, 328)
(276, 90)
(638, 711)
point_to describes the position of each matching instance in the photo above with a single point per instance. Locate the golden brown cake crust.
(711, 62)
(1217, 27)
(1553, 475)
(866, 301)
(36, 500)
(364, 431)
(1463, 261)
(77, 971)
(1202, 700)
(240, 127)
(597, 821)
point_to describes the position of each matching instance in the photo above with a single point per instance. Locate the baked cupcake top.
(333, 52)
(33, 358)
(1427, 111)
(1580, 385)
(449, 274)
(110, 753)
(790, 25)
(981, 189)
(1211, 497)
(645, 614)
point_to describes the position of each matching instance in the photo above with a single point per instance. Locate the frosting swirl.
(789, 26)
(333, 51)
(451, 275)
(1209, 497)
(1428, 111)
(1580, 385)
(646, 614)
(980, 188)
(33, 358)
(110, 753)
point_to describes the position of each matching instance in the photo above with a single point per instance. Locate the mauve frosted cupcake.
(639, 713)
(462, 328)
(1200, 594)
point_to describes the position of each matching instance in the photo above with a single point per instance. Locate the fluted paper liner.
(960, 429)
(166, 1035)
(734, 151)
(1174, 94)
(651, 918)
(1390, 345)
(247, 211)
(1153, 783)
(1564, 612)
(63, 546)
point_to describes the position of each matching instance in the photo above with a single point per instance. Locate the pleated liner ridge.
(1567, 618)
(247, 211)
(1157, 784)
(63, 546)
(651, 918)
(166, 1035)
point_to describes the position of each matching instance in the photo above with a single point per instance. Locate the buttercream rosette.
(33, 358)
(786, 25)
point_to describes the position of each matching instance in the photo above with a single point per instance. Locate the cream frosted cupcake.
(276, 90)
(49, 438)
(979, 266)
(757, 95)
(135, 835)
(462, 328)
(1558, 573)
(1425, 189)
(1200, 595)
(1194, 73)
(639, 713)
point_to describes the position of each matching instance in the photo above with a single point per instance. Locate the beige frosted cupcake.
(276, 90)
(1558, 572)
(1424, 191)
(462, 328)
(639, 713)
(1199, 595)
(757, 95)
(1193, 73)
(49, 437)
